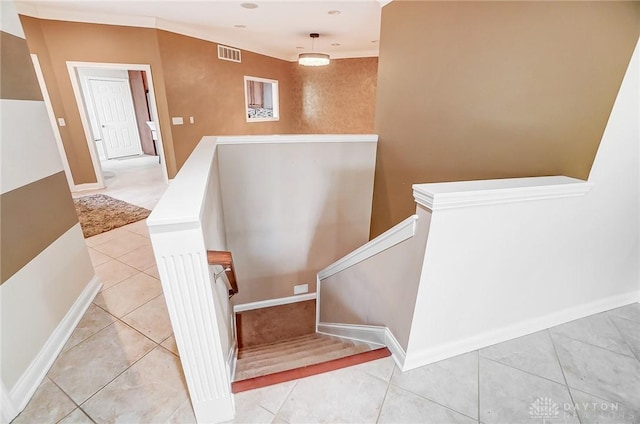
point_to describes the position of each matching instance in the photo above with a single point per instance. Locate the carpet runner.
(298, 357)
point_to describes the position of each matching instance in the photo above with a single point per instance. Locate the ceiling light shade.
(313, 59)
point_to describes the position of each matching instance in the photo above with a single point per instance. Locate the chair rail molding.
(397, 234)
(462, 194)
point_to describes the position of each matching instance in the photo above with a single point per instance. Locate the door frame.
(95, 110)
(82, 109)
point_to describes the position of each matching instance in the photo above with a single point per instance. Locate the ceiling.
(275, 28)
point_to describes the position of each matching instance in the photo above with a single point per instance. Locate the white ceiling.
(275, 28)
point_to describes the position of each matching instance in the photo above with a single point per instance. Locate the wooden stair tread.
(309, 370)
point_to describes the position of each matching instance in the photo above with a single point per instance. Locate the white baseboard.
(427, 356)
(397, 352)
(273, 302)
(86, 187)
(367, 334)
(37, 370)
(232, 359)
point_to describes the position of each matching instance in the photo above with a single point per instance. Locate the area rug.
(99, 213)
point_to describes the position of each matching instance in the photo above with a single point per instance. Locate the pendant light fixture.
(313, 59)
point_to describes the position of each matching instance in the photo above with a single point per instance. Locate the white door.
(116, 116)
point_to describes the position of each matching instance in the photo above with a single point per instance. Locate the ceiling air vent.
(229, 53)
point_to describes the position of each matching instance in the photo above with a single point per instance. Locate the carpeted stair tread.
(307, 371)
(289, 349)
(318, 348)
(266, 348)
(286, 364)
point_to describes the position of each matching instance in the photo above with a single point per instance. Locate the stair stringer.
(372, 334)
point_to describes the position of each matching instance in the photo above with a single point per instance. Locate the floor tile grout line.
(125, 279)
(624, 339)
(384, 399)
(115, 378)
(478, 358)
(524, 371)
(63, 391)
(434, 401)
(88, 416)
(632, 356)
(286, 398)
(583, 390)
(566, 383)
(140, 332)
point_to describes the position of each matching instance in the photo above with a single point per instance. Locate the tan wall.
(476, 90)
(336, 99)
(56, 42)
(198, 84)
(190, 81)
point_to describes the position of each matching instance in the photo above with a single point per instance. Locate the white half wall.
(292, 205)
(497, 271)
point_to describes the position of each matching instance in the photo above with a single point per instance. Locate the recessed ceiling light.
(300, 48)
(333, 12)
(249, 5)
(335, 44)
(240, 26)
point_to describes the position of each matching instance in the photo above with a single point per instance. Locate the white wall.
(380, 290)
(497, 271)
(45, 298)
(293, 205)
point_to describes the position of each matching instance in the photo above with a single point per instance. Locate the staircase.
(298, 357)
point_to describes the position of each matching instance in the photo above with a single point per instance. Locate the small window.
(261, 99)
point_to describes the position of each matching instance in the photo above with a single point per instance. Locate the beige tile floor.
(134, 179)
(121, 365)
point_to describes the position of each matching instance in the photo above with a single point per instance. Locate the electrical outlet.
(61, 122)
(191, 120)
(302, 288)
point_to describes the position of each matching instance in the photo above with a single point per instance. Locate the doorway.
(118, 118)
(113, 118)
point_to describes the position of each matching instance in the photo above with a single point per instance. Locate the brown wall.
(198, 84)
(56, 42)
(339, 98)
(190, 80)
(476, 90)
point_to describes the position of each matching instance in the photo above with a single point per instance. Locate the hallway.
(134, 179)
(121, 365)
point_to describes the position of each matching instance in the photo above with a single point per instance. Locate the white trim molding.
(52, 121)
(424, 357)
(273, 302)
(86, 187)
(72, 67)
(368, 334)
(37, 370)
(401, 232)
(295, 138)
(462, 194)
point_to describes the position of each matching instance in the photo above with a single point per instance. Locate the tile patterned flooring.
(134, 179)
(121, 365)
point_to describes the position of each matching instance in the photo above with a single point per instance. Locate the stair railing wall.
(186, 223)
(370, 294)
